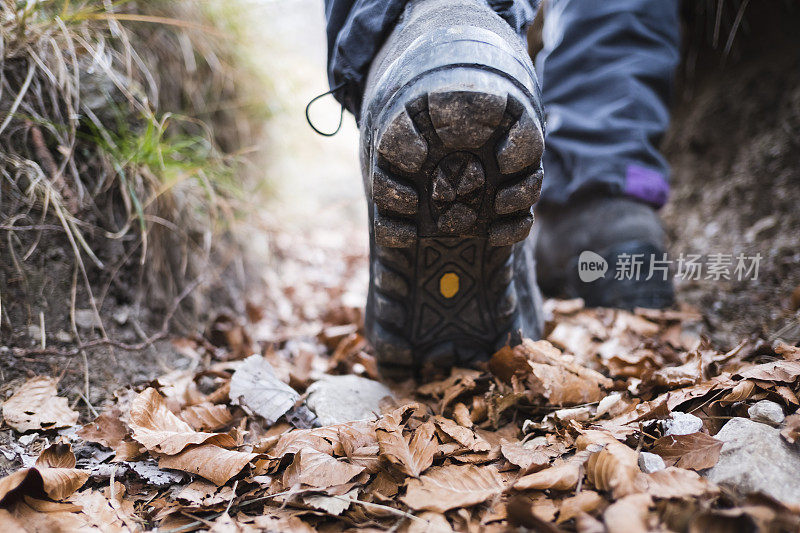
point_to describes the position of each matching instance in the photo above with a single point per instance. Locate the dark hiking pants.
(606, 72)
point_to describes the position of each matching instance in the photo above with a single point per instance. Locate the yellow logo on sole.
(448, 285)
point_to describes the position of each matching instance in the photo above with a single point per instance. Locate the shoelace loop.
(341, 113)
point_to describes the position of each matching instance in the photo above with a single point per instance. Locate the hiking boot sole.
(455, 169)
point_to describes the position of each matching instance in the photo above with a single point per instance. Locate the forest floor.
(275, 418)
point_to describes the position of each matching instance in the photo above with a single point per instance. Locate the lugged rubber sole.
(455, 170)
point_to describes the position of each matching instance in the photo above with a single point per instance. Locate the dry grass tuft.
(122, 126)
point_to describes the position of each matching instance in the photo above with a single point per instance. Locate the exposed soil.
(733, 146)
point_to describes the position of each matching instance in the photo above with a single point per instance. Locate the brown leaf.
(739, 393)
(56, 483)
(434, 523)
(107, 429)
(325, 439)
(204, 494)
(412, 454)
(57, 456)
(614, 469)
(320, 470)
(105, 513)
(561, 476)
(464, 436)
(159, 430)
(461, 415)
(629, 514)
(451, 487)
(533, 515)
(508, 362)
(791, 428)
(37, 406)
(207, 416)
(785, 371)
(558, 378)
(695, 451)
(128, 450)
(677, 483)
(527, 459)
(679, 376)
(44, 517)
(209, 461)
(585, 501)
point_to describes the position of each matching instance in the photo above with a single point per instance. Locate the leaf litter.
(546, 435)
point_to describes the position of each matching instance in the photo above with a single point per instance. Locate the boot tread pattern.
(454, 179)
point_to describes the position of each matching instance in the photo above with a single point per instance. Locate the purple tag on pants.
(646, 184)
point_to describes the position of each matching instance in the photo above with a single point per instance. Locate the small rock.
(121, 315)
(766, 412)
(650, 462)
(86, 319)
(754, 458)
(63, 336)
(682, 424)
(340, 399)
(34, 332)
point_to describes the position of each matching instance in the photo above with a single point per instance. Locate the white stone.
(766, 412)
(754, 458)
(650, 462)
(682, 424)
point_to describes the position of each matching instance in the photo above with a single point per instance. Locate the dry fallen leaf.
(107, 429)
(412, 454)
(742, 391)
(451, 487)
(558, 378)
(615, 469)
(629, 514)
(320, 470)
(527, 459)
(785, 371)
(586, 501)
(204, 494)
(561, 476)
(258, 390)
(159, 430)
(107, 514)
(695, 451)
(433, 523)
(333, 505)
(791, 428)
(36, 406)
(209, 461)
(56, 483)
(675, 482)
(207, 416)
(462, 435)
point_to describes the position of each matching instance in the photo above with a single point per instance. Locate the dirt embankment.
(733, 146)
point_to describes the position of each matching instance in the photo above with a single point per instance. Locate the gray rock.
(87, 319)
(754, 458)
(766, 412)
(682, 424)
(650, 462)
(340, 399)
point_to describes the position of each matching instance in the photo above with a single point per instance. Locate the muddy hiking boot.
(451, 147)
(612, 233)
